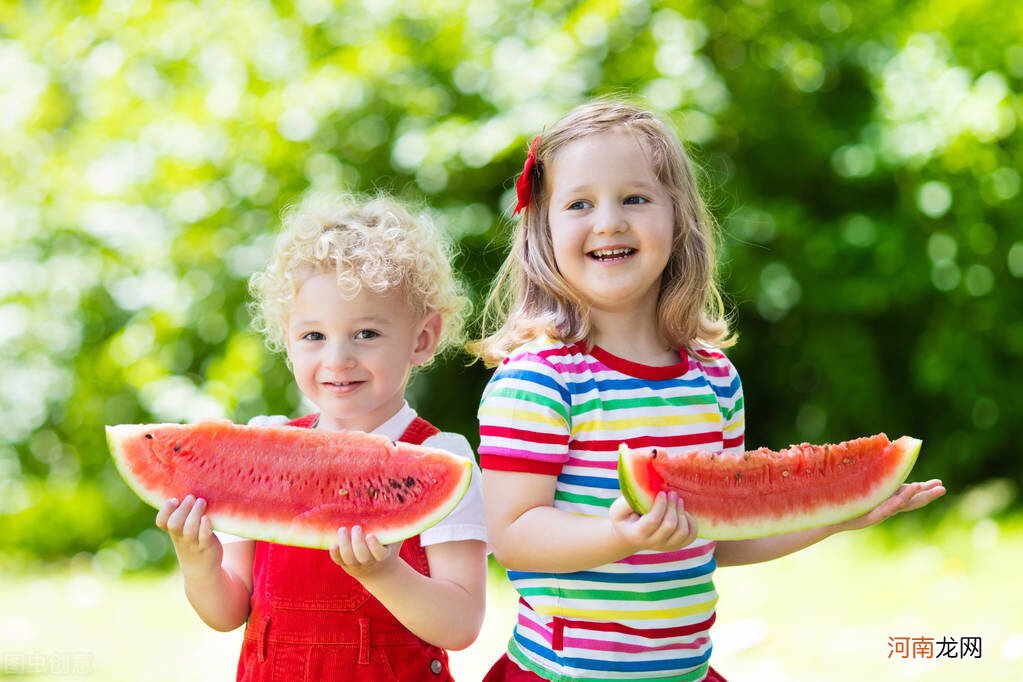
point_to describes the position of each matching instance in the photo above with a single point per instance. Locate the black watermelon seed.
(149, 436)
(394, 483)
(409, 481)
(177, 447)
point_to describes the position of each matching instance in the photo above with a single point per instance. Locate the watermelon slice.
(291, 485)
(762, 492)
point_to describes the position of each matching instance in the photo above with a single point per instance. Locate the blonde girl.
(606, 326)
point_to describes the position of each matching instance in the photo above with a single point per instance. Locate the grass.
(826, 613)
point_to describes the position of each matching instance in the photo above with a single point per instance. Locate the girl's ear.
(427, 338)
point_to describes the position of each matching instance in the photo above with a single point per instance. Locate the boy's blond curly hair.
(375, 243)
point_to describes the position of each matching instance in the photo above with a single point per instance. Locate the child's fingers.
(164, 513)
(670, 521)
(894, 504)
(190, 529)
(684, 530)
(176, 521)
(360, 549)
(906, 493)
(908, 497)
(378, 551)
(205, 529)
(891, 505)
(621, 511)
(648, 523)
(667, 524)
(932, 486)
(345, 557)
(925, 496)
(690, 529)
(680, 527)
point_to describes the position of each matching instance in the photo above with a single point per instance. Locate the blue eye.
(636, 199)
(366, 334)
(313, 336)
(579, 205)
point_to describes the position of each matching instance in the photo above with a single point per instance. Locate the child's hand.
(190, 531)
(665, 528)
(908, 497)
(362, 556)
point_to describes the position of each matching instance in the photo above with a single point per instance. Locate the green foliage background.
(863, 160)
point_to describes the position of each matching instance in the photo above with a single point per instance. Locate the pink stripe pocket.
(667, 557)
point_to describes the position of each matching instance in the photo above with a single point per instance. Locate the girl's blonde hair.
(375, 243)
(530, 298)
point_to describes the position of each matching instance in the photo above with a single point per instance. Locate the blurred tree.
(862, 159)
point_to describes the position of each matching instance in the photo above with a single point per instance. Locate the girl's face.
(612, 222)
(352, 357)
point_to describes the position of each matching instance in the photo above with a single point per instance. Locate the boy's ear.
(427, 338)
(287, 340)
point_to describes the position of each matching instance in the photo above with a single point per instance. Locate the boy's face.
(352, 357)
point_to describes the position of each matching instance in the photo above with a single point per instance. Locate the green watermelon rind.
(640, 500)
(122, 432)
(267, 531)
(909, 449)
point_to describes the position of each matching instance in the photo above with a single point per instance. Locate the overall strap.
(306, 422)
(418, 431)
(412, 551)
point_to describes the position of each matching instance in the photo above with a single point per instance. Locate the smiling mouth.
(615, 254)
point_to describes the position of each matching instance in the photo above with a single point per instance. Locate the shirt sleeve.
(263, 420)
(724, 381)
(733, 413)
(227, 538)
(466, 521)
(525, 418)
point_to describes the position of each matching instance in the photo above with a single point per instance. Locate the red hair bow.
(524, 185)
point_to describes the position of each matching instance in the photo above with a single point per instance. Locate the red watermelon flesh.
(292, 485)
(763, 492)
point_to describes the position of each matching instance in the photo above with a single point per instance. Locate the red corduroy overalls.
(311, 621)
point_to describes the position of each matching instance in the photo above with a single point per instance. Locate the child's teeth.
(611, 253)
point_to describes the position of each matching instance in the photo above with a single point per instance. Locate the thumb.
(621, 511)
(694, 530)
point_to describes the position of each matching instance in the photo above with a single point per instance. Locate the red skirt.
(505, 670)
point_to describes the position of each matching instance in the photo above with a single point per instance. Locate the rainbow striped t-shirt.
(561, 410)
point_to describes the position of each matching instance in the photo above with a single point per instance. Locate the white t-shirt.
(465, 522)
